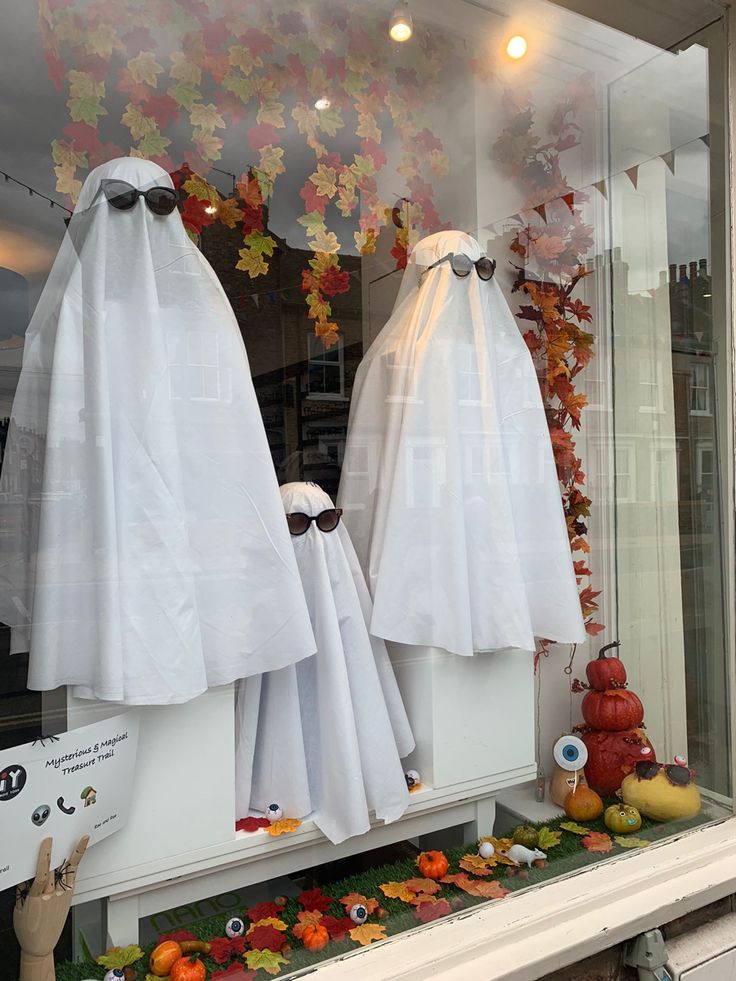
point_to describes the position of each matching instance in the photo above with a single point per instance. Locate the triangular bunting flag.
(569, 199)
(541, 210)
(633, 174)
(517, 217)
(706, 139)
(256, 299)
(600, 186)
(669, 159)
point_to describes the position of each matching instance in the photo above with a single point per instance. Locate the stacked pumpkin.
(613, 718)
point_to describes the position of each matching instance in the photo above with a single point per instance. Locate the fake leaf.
(120, 957)
(285, 824)
(269, 921)
(625, 841)
(253, 263)
(597, 842)
(427, 887)
(251, 824)
(305, 918)
(489, 890)
(478, 865)
(575, 829)
(267, 960)
(548, 839)
(355, 898)
(432, 911)
(229, 213)
(266, 938)
(367, 933)
(397, 890)
(314, 899)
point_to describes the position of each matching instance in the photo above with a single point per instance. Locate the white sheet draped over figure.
(326, 736)
(448, 487)
(149, 557)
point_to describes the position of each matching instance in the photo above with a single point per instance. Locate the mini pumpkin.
(188, 969)
(526, 836)
(606, 672)
(622, 819)
(163, 957)
(315, 936)
(583, 804)
(433, 865)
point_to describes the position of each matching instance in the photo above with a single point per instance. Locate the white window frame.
(316, 356)
(695, 370)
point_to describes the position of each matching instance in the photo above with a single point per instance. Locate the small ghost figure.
(274, 813)
(234, 927)
(358, 913)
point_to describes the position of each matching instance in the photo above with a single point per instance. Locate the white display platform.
(474, 722)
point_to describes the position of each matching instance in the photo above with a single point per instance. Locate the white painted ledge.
(533, 932)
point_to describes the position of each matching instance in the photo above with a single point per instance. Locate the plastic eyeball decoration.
(412, 778)
(486, 850)
(274, 813)
(115, 974)
(234, 927)
(358, 913)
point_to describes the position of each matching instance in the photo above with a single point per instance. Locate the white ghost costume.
(449, 488)
(149, 557)
(325, 737)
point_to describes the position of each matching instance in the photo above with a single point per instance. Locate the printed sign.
(64, 787)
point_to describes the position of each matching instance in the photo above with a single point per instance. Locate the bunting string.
(33, 192)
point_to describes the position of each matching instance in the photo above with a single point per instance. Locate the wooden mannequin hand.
(40, 913)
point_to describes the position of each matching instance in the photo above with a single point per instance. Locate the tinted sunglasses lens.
(298, 523)
(328, 520)
(486, 268)
(120, 195)
(461, 265)
(679, 775)
(161, 200)
(646, 770)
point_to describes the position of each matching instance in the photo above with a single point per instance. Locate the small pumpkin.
(164, 956)
(315, 936)
(622, 819)
(583, 804)
(432, 865)
(606, 672)
(188, 968)
(613, 710)
(526, 836)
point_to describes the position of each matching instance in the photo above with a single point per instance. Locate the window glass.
(364, 372)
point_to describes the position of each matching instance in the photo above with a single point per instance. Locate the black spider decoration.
(44, 739)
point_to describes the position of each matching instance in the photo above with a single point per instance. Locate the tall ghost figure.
(326, 736)
(449, 488)
(149, 556)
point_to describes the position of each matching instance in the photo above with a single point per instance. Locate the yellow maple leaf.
(319, 308)
(138, 124)
(144, 68)
(272, 921)
(270, 161)
(206, 117)
(267, 960)
(270, 113)
(255, 265)
(229, 213)
(368, 933)
(325, 180)
(201, 189)
(101, 40)
(325, 241)
(322, 262)
(306, 119)
(397, 890)
(478, 865)
(365, 241)
(424, 886)
(184, 70)
(243, 58)
(208, 144)
(285, 824)
(83, 86)
(66, 183)
(367, 127)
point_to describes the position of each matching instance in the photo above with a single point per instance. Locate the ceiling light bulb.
(322, 104)
(516, 48)
(401, 27)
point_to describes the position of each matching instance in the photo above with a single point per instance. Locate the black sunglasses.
(326, 521)
(123, 196)
(462, 265)
(678, 775)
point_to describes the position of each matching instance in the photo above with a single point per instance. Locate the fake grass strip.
(568, 856)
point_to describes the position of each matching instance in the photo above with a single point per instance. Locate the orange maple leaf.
(282, 826)
(355, 898)
(367, 933)
(597, 842)
(305, 918)
(397, 890)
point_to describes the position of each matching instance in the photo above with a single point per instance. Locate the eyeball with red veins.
(274, 813)
(358, 913)
(115, 974)
(486, 850)
(234, 927)
(680, 761)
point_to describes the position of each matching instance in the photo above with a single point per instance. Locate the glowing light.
(211, 209)
(401, 27)
(322, 104)
(516, 48)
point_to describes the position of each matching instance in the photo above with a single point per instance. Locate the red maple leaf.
(223, 949)
(334, 281)
(266, 938)
(262, 135)
(337, 927)
(163, 109)
(315, 899)
(263, 911)
(251, 824)
(177, 935)
(426, 912)
(312, 200)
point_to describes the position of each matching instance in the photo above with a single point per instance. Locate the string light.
(323, 103)
(401, 26)
(516, 47)
(32, 192)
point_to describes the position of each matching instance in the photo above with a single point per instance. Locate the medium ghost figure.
(449, 488)
(326, 736)
(150, 558)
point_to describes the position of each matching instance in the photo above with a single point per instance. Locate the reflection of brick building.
(303, 390)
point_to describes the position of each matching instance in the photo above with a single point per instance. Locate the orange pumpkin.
(188, 969)
(432, 865)
(583, 804)
(164, 957)
(315, 936)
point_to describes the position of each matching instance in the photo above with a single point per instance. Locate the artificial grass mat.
(568, 856)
